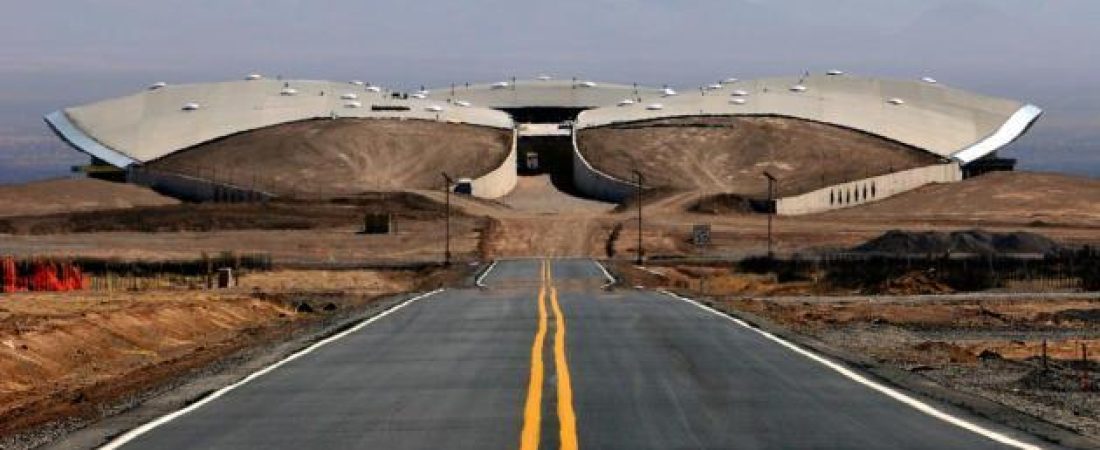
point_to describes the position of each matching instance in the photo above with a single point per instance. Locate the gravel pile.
(969, 241)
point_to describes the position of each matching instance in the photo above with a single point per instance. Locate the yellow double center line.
(532, 414)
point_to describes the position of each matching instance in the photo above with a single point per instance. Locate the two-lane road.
(544, 358)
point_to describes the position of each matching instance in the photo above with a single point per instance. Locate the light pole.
(447, 182)
(639, 201)
(772, 181)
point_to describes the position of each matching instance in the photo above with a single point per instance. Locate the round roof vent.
(626, 102)
(374, 89)
(738, 101)
(157, 85)
(350, 96)
(191, 107)
(798, 88)
(739, 93)
(655, 107)
(434, 108)
(353, 105)
(289, 92)
(462, 103)
(896, 101)
(254, 77)
(419, 95)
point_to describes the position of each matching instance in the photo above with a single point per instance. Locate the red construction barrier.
(72, 278)
(42, 276)
(9, 275)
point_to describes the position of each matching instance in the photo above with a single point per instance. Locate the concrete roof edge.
(1009, 132)
(69, 132)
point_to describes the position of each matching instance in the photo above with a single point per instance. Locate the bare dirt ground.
(1031, 198)
(72, 355)
(536, 195)
(1064, 208)
(70, 195)
(730, 154)
(289, 231)
(318, 158)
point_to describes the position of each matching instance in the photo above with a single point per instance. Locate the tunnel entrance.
(553, 156)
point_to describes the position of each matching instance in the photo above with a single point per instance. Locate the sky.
(59, 53)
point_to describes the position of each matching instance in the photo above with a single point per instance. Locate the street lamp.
(772, 182)
(641, 180)
(447, 182)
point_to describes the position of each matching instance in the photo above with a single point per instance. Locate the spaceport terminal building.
(831, 140)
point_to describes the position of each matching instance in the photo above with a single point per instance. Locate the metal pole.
(640, 258)
(447, 232)
(771, 211)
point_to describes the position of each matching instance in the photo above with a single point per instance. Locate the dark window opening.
(543, 114)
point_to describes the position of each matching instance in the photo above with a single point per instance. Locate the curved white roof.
(546, 93)
(151, 124)
(946, 121)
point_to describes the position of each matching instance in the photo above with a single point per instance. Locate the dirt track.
(730, 154)
(345, 156)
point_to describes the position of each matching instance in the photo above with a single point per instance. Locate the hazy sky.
(60, 53)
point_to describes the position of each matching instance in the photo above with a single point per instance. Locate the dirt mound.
(1037, 199)
(730, 154)
(344, 156)
(722, 204)
(913, 283)
(970, 241)
(70, 195)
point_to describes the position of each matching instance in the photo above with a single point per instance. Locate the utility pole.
(641, 180)
(447, 182)
(772, 181)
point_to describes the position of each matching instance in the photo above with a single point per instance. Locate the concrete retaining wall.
(593, 183)
(501, 180)
(867, 190)
(192, 188)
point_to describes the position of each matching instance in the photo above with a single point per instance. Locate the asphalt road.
(546, 359)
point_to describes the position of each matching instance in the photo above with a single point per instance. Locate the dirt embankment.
(73, 356)
(344, 156)
(730, 154)
(72, 195)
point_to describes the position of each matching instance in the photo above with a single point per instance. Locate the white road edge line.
(480, 282)
(610, 279)
(149, 426)
(852, 375)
